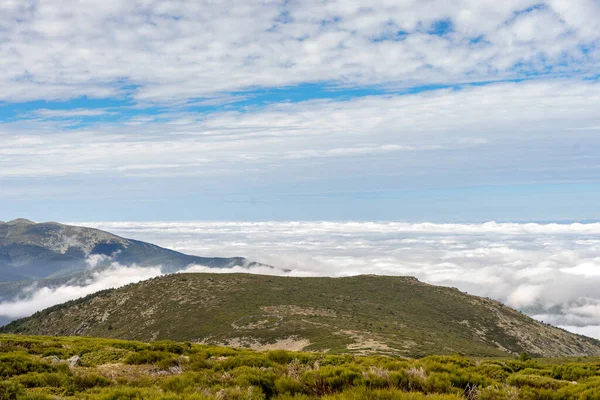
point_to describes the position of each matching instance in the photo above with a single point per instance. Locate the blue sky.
(281, 110)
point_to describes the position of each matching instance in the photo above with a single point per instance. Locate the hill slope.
(391, 315)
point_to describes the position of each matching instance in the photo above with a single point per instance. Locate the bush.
(260, 378)
(83, 382)
(386, 394)
(17, 364)
(330, 379)
(208, 372)
(10, 390)
(243, 360)
(170, 346)
(535, 381)
(147, 357)
(48, 379)
(574, 372)
(280, 356)
(286, 384)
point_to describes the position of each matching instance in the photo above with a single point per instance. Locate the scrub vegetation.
(35, 367)
(385, 315)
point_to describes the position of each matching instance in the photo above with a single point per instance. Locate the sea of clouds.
(549, 271)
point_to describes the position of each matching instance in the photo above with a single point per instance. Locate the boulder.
(52, 360)
(74, 361)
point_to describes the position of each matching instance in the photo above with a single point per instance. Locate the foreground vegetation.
(32, 367)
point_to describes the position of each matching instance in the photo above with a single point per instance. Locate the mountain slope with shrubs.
(396, 316)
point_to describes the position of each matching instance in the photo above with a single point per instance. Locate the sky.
(454, 141)
(465, 111)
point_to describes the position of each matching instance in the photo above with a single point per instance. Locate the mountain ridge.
(397, 316)
(55, 253)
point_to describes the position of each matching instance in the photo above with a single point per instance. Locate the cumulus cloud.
(175, 50)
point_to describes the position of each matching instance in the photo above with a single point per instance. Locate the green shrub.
(50, 379)
(103, 356)
(498, 392)
(83, 382)
(330, 379)
(147, 357)
(286, 384)
(386, 394)
(574, 372)
(209, 372)
(535, 381)
(131, 346)
(178, 384)
(438, 382)
(127, 393)
(248, 360)
(10, 390)
(280, 356)
(170, 346)
(167, 363)
(17, 364)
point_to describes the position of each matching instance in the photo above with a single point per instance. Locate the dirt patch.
(123, 371)
(367, 343)
(292, 343)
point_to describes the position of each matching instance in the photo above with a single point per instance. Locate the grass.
(117, 369)
(397, 316)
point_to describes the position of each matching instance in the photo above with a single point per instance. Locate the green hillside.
(397, 316)
(55, 368)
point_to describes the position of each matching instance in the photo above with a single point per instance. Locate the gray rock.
(74, 361)
(52, 360)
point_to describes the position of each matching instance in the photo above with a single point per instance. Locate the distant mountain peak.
(31, 251)
(20, 221)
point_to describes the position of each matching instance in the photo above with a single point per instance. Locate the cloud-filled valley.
(549, 271)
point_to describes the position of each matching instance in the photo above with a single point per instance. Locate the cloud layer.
(509, 133)
(176, 50)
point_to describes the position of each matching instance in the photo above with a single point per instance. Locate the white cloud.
(94, 259)
(39, 298)
(71, 113)
(591, 331)
(510, 133)
(525, 296)
(175, 50)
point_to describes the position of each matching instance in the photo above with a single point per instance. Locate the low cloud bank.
(549, 271)
(36, 298)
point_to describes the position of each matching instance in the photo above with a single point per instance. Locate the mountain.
(52, 253)
(364, 314)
